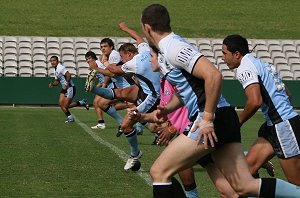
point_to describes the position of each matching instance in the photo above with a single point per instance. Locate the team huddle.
(172, 89)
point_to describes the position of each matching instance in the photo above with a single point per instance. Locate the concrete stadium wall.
(35, 91)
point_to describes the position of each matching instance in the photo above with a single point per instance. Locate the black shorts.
(205, 160)
(284, 137)
(227, 126)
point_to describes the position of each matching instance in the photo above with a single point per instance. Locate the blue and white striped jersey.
(177, 59)
(189, 88)
(59, 74)
(276, 106)
(140, 66)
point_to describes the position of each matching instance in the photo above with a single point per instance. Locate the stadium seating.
(29, 56)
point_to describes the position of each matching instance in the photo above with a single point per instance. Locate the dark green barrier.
(35, 91)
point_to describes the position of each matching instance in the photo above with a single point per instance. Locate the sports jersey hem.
(196, 62)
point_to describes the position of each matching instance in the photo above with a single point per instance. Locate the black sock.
(267, 188)
(100, 121)
(169, 191)
(131, 133)
(177, 188)
(190, 187)
(107, 108)
(162, 191)
(78, 103)
(68, 113)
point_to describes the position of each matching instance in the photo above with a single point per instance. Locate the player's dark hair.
(91, 54)
(236, 43)
(154, 48)
(128, 47)
(109, 42)
(157, 16)
(55, 57)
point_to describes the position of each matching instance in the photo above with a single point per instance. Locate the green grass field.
(275, 19)
(41, 156)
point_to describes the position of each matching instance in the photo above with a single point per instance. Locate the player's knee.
(156, 173)
(160, 173)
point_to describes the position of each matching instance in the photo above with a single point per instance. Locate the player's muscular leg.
(103, 103)
(127, 125)
(128, 94)
(259, 153)
(291, 169)
(61, 102)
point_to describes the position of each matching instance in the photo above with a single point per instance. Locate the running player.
(145, 95)
(280, 134)
(104, 76)
(199, 88)
(68, 90)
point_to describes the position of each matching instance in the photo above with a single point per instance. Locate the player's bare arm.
(253, 103)
(139, 39)
(52, 84)
(68, 79)
(205, 70)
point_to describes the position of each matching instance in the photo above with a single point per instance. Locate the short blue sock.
(285, 189)
(132, 140)
(103, 92)
(114, 114)
(192, 193)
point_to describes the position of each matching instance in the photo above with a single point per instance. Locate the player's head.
(54, 61)
(155, 18)
(90, 56)
(127, 51)
(107, 46)
(234, 48)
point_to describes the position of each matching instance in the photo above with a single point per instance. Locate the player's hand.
(93, 65)
(207, 130)
(164, 136)
(123, 26)
(133, 114)
(160, 115)
(51, 85)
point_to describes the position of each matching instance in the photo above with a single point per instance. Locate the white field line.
(122, 155)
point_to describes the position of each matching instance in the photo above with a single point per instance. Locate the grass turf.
(41, 156)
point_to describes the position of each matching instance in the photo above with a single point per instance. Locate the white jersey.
(276, 106)
(114, 57)
(99, 75)
(140, 66)
(118, 81)
(60, 72)
(178, 52)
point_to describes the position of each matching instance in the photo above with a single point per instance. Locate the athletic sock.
(101, 121)
(111, 110)
(68, 113)
(103, 92)
(132, 140)
(162, 190)
(273, 187)
(191, 190)
(172, 189)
